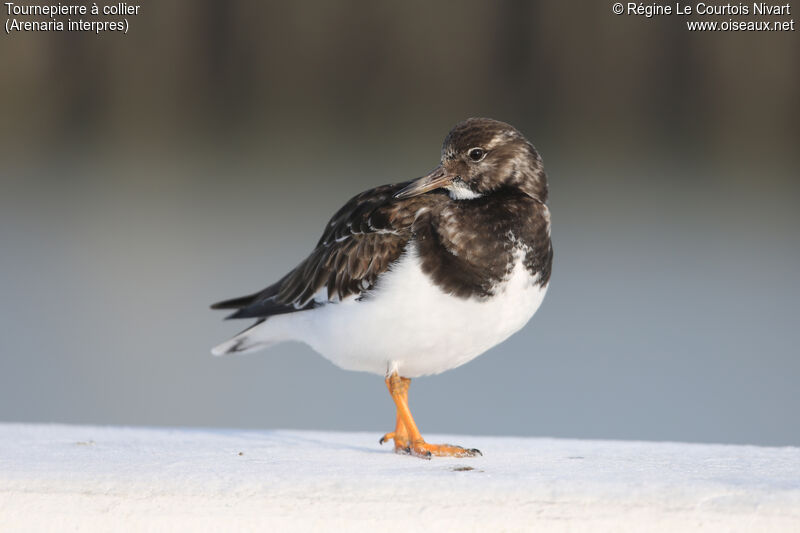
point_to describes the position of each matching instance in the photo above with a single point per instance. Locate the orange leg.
(400, 435)
(407, 438)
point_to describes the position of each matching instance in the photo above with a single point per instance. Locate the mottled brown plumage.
(485, 203)
(434, 272)
(466, 248)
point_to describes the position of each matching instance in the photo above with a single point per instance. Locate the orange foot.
(426, 450)
(406, 436)
(401, 442)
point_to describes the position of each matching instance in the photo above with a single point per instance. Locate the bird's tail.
(257, 337)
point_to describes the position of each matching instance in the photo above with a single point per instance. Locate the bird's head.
(481, 156)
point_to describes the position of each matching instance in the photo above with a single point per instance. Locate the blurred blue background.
(146, 176)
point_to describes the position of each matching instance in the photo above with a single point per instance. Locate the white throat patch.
(459, 191)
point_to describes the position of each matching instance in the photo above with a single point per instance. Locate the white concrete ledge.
(57, 477)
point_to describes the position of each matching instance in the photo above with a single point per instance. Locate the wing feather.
(359, 244)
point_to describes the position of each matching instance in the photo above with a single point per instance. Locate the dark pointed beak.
(437, 178)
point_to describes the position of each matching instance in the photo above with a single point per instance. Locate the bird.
(415, 278)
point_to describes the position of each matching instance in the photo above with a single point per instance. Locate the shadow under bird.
(416, 278)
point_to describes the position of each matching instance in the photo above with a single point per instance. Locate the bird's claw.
(423, 450)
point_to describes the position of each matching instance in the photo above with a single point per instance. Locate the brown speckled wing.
(359, 243)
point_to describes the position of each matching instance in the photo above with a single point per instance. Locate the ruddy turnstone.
(416, 278)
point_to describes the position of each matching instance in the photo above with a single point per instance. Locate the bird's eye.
(476, 154)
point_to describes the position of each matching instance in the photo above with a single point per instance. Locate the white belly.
(410, 324)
